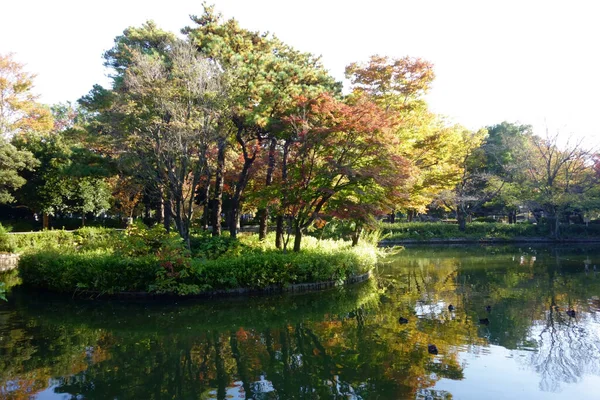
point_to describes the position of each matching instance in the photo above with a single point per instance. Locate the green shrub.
(208, 247)
(474, 230)
(100, 271)
(6, 242)
(272, 267)
(43, 240)
(171, 270)
(90, 238)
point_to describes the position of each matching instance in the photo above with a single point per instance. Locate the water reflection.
(369, 341)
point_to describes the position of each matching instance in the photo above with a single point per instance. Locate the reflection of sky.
(502, 374)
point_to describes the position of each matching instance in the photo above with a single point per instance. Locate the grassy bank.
(150, 260)
(423, 231)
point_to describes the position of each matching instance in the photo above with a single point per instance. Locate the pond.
(510, 333)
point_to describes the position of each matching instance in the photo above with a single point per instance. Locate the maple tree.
(20, 114)
(399, 86)
(341, 160)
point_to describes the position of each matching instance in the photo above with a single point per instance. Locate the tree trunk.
(297, 237)
(240, 185)
(279, 232)
(167, 214)
(218, 195)
(45, 221)
(264, 212)
(410, 215)
(461, 216)
(393, 217)
(356, 235)
(556, 226)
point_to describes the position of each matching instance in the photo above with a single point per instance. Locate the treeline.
(227, 121)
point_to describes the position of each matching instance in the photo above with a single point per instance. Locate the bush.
(261, 269)
(474, 230)
(208, 247)
(6, 242)
(100, 271)
(171, 270)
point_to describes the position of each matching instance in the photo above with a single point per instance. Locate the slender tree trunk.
(393, 216)
(167, 214)
(279, 242)
(240, 186)
(218, 194)
(461, 216)
(45, 221)
(356, 234)
(264, 212)
(279, 232)
(297, 237)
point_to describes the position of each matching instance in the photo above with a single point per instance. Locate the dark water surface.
(343, 344)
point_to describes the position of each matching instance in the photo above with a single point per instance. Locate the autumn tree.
(265, 76)
(475, 185)
(342, 160)
(399, 86)
(163, 109)
(20, 113)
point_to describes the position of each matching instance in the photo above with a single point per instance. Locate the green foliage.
(206, 246)
(2, 291)
(152, 260)
(6, 243)
(12, 162)
(83, 239)
(481, 230)
(261, 269)
(43, 240)
(100, 271)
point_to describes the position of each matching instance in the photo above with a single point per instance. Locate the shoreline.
(392, 242)
(297, 288)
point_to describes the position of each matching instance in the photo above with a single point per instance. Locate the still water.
(508, 336)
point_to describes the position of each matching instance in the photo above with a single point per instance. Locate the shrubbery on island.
(95, 260)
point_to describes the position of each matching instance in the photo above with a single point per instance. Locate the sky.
(533, 62)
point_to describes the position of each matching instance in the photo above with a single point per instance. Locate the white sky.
(531, 61)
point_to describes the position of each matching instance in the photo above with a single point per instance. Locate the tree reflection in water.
(345, 343)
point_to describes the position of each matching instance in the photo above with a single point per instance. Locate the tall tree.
(265, 76)
(163, 110)
(399, 86)
(20, 113)
(342, 157)
(506, 151)
(475, 185)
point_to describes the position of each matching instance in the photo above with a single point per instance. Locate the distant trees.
(561, 178)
